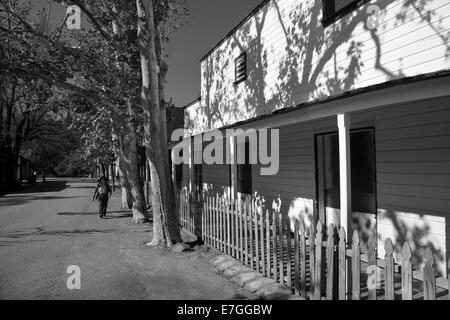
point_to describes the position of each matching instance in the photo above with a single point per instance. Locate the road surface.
(49, 227)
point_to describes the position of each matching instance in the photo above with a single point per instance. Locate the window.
(335, 9)
(240, 65)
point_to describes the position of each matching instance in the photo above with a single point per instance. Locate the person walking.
(102, 192)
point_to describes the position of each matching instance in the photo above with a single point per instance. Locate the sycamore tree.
(29, 117)
(102, 143)
(95, 64)
(121, 46)
(155, 20)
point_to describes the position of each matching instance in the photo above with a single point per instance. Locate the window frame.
(336, 15)
(242, 55)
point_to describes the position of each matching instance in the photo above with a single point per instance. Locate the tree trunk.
(165, 217)
(113, 178)
(127, 197)
(129, 157)
(103, 169)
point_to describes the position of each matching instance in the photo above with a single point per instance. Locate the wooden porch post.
(345, 172)
(191, 165)
(345, 183)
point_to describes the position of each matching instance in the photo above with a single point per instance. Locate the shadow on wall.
(303, 73)
(418, 231)
(301, 209)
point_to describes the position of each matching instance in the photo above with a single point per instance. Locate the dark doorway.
(364, 206)
(244, 175)
(198, 180)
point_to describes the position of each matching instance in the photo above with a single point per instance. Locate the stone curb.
(236, 270)
(251, 281)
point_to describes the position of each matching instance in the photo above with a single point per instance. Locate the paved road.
(47, 228)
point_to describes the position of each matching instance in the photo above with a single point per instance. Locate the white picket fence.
(319, 264)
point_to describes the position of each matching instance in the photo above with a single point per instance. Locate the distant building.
(353, 86)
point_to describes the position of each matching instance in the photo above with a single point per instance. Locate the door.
(362, 144)
(244, 176)
(198, 180)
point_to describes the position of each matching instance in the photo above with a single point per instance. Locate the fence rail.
(316, 263)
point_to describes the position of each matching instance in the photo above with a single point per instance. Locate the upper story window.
(335, 9)
(240, 65)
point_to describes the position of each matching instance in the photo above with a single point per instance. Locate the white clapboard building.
(360, 93)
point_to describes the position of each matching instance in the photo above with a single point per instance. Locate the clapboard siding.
(416, 191)
(286, 49)
(294, 184)
(413, 171)
(428, 168)
(413, 174)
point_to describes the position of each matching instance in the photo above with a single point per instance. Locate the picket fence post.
(250, 229)
(215, 223)
(235, 233)
(331, 287)
(302, 244)
(312, 257)
(281, 246)
(297, 257)
(247, 262)
(372, 259)
(318, 263)
(407, 275)
(356, 267)
(429, 276)
(288, 254)
(268, 241)
(262, 243)
(389, 270)
(228, 229)
(256, 233)
(275, 247)
(342, 256)
(241, 230)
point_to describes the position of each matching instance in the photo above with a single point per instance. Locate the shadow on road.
(12, 200)
(49, 186)
(17, 234)
(83, 187)
(12, 237)
(109, 215)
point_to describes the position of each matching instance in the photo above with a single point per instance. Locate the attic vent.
(240, 64)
